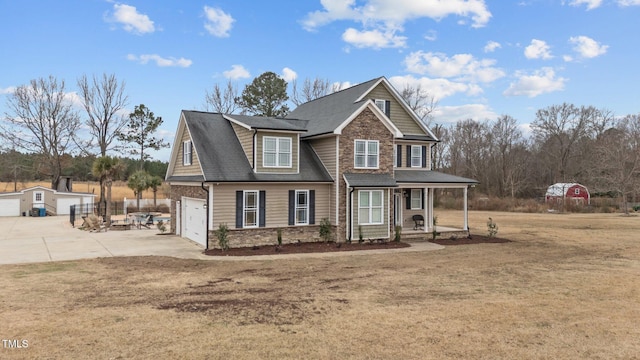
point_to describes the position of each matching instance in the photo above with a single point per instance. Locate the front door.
(397, 209)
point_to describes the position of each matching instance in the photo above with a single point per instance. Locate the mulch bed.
(320, 247)
(475, 239)
(300, 248)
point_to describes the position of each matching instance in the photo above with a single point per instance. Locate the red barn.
(574, 192)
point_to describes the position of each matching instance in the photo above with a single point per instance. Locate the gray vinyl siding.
(399, 116)
(277, 204)
(245, 137)
(326, 150)
(179, 168)
(294, 153)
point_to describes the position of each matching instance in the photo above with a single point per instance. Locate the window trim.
(187, 155)
(297, 207)
(414, 157)
(245, 209)
(366, 154)
(382, 108)
(371, 207)
(278, 151)
(418, 197)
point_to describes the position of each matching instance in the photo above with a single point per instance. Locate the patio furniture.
(418, 221)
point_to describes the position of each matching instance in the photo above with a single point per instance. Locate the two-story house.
(359, 157)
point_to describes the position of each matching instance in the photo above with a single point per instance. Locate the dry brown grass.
(119, 190)
(567, 287)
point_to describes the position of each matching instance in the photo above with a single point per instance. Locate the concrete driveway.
(51, 238)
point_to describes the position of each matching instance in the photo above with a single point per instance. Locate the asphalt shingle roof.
(370, 180)
(270, 123)
(223, 159)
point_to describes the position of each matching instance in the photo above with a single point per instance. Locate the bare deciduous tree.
(41, 118)
(508, 155)
(420, 101)
(617, 162)
(222, 100)
(311, 90)
(104, 102)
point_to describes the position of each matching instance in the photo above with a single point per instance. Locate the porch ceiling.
(427, 177)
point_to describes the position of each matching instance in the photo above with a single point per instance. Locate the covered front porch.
(413, 203)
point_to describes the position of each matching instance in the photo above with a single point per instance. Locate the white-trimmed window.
(370, 207)
(416, 156)
(416, 199)
(395, 156)
(302, 207)
(382, 105)
(366, 154)
(276, 152)
(186, 152)
(250, 209)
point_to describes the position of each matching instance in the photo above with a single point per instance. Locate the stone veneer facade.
(366, 126)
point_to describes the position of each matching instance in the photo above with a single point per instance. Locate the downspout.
(206, 246)
(350, 213)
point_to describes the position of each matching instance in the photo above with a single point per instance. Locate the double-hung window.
(382, 105)
(370, 207)
(276, 152)
(366, 154)
(302, 207)
(186, 152)
(250, 209)
(416, 156)
(416, 198)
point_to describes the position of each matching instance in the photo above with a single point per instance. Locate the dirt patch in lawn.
(301, 248)
(473, 239)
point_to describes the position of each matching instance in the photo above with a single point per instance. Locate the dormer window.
(416, 156)
(276, 152)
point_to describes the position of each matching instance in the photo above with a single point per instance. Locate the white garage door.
(63, 204)
(10, 207)
(194, 220)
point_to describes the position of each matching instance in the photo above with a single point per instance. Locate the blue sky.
(480, 59)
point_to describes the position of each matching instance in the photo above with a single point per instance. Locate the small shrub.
(279, 231)
(434, 233)
(325, 229)
(398, 234)
(492, 228)
(360, 237)
(221, 234)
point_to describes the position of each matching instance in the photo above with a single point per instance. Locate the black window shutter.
(387, 108)
(262, 207)
(239, 208)
(422, 199)
(399, 156)
(408, 155)
(424, 156)
(292, 207)
(408, 200)
(312, 207)
(190, 152)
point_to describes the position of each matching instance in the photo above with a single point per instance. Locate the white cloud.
(463, 67)
(492, 46)
(540, 82)
(586, 47)
(396, 12)
(288, 75)
(629, 2)
(218, 22)
(591, 4)
(452, 114)
(236, 72)
(538, 49)
(431, 35)
(438, 88)
(160, 61)
(375, 39)
(7, 90)
(337, 86)
(131, 20)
